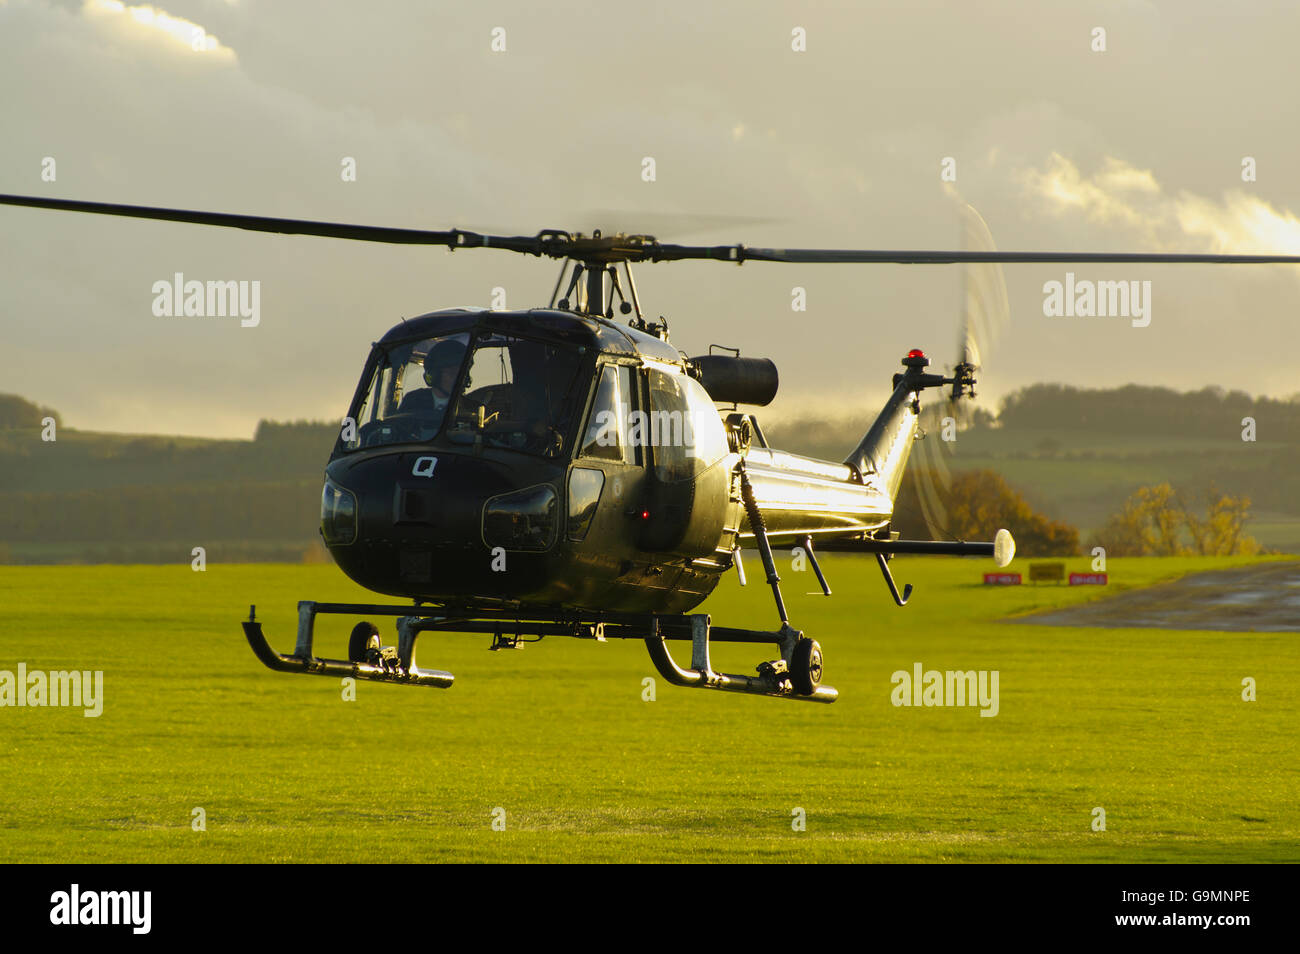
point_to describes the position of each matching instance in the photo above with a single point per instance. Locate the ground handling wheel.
(806, 666)
(365, 637)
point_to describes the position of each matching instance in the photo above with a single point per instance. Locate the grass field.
(1147, 724)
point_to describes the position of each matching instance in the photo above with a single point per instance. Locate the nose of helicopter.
(430, 524)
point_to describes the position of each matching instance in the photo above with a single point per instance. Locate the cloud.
(1120, 194)
(1240, 223)
(159, 24)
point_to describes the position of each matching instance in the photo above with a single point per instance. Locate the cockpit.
(486, 388)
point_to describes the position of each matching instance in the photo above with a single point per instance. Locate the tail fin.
(884, 451)
(885, 448)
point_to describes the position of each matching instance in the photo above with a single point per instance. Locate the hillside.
(89, 497)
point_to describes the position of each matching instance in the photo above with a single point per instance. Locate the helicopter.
(556, 471)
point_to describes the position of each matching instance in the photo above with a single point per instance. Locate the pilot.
(440, 367)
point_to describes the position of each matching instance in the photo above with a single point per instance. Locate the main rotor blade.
(454, 238)
(639, 249)
(831, 256)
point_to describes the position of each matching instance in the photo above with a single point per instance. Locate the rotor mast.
(591, 266)
(595, 303)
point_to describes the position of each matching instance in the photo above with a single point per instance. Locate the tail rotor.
(985, 313)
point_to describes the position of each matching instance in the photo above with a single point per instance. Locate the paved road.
(1264, 599)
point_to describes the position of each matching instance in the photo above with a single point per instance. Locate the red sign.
(1002, 579)
(1087, 579)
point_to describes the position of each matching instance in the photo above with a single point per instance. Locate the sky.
(514, 117)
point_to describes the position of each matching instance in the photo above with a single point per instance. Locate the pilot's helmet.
(443, 355)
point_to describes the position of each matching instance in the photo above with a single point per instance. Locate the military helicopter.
(558, 472)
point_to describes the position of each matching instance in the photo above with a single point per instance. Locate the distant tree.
(982, 419)
(1149, 524)
(272, 430)
(1143, 409)
(1124, 533)
(1160, 521)
(1219, 532)
(17, 411)
(295, 431)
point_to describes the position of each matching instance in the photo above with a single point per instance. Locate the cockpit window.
(518, 394)
(409, 393)
(493, 390)
(606, 433)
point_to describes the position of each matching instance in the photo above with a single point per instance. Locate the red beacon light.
(916, 359)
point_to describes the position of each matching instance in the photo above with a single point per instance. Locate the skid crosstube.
(771, 679)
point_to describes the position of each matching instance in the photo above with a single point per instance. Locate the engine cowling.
(734, 380)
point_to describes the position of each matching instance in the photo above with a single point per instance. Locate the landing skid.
(379, 667)
(777, 678)
(795, 675)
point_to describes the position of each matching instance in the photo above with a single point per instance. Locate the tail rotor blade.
(986, 309)
(930, 474)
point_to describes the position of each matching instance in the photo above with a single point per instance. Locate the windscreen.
(518, 394)
(493, 390)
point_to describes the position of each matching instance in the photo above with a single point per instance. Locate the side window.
(585, 485)
(667, 428)
(706, 424)
(606, 435)
(683, 427)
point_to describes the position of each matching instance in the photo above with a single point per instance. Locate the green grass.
(1147, 724)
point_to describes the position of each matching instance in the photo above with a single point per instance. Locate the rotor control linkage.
(807, 545)
(573, 284)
